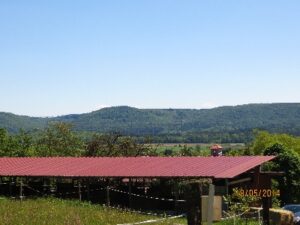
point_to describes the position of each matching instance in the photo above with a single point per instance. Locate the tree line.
(58, 139)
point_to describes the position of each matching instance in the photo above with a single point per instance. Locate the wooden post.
(176, 197)
(226, 186)
(266, 201)
(107, 196)
(257, 178)
(210, 206)
(44, 186)
(88, 189)
(79, 190)
(10, 187)
(225, 205)
(130, 193)
(21, 189)
(193, 193)
(266, 212)
(107, 193)
(262, 180)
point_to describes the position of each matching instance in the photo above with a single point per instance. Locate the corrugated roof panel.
(217, 167)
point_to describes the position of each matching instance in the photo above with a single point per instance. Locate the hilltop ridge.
(275, 117)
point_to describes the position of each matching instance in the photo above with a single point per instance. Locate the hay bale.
(281, 217)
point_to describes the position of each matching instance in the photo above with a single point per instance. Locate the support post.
(88, 189)
(44, 187)
(10, 187)
(210, 206)
(21, 189)
(130, 193)
(79, 190)
(266, 212)
(176, 197)
(266, 201)
(263, 181)
(107, 194)
(193, 193)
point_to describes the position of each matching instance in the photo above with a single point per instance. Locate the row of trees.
(58, 139)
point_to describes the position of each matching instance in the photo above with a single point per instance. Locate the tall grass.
(50, 211)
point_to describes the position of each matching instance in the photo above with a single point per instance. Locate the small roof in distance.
(216, 147)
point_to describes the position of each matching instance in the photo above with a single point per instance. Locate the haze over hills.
(276, 117)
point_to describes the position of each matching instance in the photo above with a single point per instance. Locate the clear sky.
(66, 56)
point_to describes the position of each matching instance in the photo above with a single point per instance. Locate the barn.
(20, 174)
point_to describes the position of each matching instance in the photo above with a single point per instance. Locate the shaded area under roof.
(214, 167)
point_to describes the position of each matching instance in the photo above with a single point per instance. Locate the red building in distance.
(216, 150)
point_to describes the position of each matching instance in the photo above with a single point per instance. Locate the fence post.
(176, 190)
(10, 187)
(107, 195)
(193, 193)
(130, 194)
(21, 189)
(79, 190)
(88, 189)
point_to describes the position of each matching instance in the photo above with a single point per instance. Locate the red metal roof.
(217, 167)
(216, 147)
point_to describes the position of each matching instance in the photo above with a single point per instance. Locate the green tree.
(289, 162)
(116, 145)
(24, 144)
(14, 145)
(186, 151)
(58, 139)
(264, 139)
(128, 146)
(102, 145)
(3, 141)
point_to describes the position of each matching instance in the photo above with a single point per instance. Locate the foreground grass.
(49, 211)
(238, 222)
(52, 211)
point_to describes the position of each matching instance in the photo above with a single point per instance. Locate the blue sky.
(65, 56)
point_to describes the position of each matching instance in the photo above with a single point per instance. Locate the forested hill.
(279, 117)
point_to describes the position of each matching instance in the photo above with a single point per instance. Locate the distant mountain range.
(277, 117)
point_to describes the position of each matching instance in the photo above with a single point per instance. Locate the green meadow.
(52, 211)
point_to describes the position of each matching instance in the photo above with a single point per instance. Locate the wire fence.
(246, 216)
(124, 209)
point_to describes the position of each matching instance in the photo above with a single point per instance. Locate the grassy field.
(51, 211)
